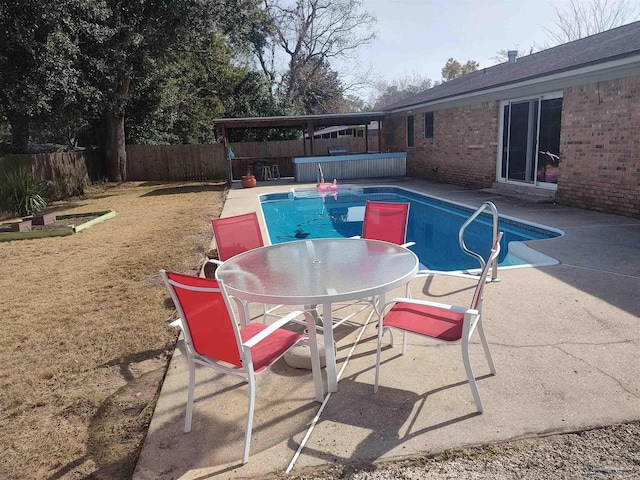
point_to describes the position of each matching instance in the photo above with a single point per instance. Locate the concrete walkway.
(565, 340)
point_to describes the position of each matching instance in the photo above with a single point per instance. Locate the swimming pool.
(433, 224)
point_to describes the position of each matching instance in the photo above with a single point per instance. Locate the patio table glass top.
(318, 271)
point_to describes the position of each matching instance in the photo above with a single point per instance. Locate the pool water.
(433, 224)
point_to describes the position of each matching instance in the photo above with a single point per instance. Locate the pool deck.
(565, 340)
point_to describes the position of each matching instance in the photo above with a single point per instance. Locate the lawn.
(85, 340)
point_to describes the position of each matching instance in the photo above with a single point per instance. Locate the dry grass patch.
(85, 340)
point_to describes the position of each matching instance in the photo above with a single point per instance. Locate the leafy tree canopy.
(399, 89)
(453, 68)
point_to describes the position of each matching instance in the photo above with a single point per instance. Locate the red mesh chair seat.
(427, 320)
(270, 349)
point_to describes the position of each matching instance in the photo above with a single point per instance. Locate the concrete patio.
(565, 340)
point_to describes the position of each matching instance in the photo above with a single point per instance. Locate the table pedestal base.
(300, 356)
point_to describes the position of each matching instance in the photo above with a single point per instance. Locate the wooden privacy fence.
(70, 171)
(176, 162)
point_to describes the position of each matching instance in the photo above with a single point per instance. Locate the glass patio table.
(319, 272)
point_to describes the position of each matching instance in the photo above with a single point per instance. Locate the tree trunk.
(115, 151)
(19, 131)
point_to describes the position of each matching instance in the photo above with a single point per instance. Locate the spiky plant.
(21, 193)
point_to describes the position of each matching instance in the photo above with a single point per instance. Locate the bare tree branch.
(312, 32)
(583, 18)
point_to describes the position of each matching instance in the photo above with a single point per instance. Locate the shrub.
(21, 193)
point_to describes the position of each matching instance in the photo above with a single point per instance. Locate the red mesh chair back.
(236, 234)
(205, 318)
(385, 221)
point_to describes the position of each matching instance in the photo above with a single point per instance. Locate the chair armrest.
(356, 237)
(427, 303)
(177, 323)
(215, 260)
(433, 273)
(253, 341)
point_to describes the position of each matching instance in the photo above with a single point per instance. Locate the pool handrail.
(480, 258)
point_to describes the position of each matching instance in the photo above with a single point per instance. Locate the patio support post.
(311, 129)
(366, 138)
(304, 141)
(379, 136)
(225, 143)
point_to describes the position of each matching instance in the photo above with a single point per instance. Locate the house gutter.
(601, 72)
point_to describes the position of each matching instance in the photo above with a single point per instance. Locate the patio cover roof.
(300, 121)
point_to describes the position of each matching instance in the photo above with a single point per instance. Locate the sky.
(417, 37)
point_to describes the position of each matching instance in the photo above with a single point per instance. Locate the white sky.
(419, 36)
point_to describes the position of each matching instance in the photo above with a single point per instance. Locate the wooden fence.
(209, 162)
(176, 162)
(70, 171)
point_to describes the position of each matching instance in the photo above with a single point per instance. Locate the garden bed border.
(60, 232)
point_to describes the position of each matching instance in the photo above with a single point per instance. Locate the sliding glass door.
(531, 140)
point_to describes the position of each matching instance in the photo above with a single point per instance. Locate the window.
(428, 125)
(410, 131)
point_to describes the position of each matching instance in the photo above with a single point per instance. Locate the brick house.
(564, 121)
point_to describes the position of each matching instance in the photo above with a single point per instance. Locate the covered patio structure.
(307, 124)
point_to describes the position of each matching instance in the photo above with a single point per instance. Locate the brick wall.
(600, 147)
(463, 149)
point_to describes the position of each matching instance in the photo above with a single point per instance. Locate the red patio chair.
(447, 323)
(235, 235)
(386, 221)
(213, 339)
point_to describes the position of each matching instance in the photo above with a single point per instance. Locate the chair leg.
(404, 342)
(485, 346)
(252, 403)
(470, 376)
(190, 394)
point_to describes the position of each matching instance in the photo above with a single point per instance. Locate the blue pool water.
(433, 224)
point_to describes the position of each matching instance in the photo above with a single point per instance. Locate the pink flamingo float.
(326, 187)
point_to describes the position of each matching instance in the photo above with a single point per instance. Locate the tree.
(399, 89)
(320, 92)
(581, 19)
(38, 62)
(453, 69)
(139, 40)
(312, 34)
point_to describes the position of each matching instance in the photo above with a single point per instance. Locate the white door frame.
(503, 103)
